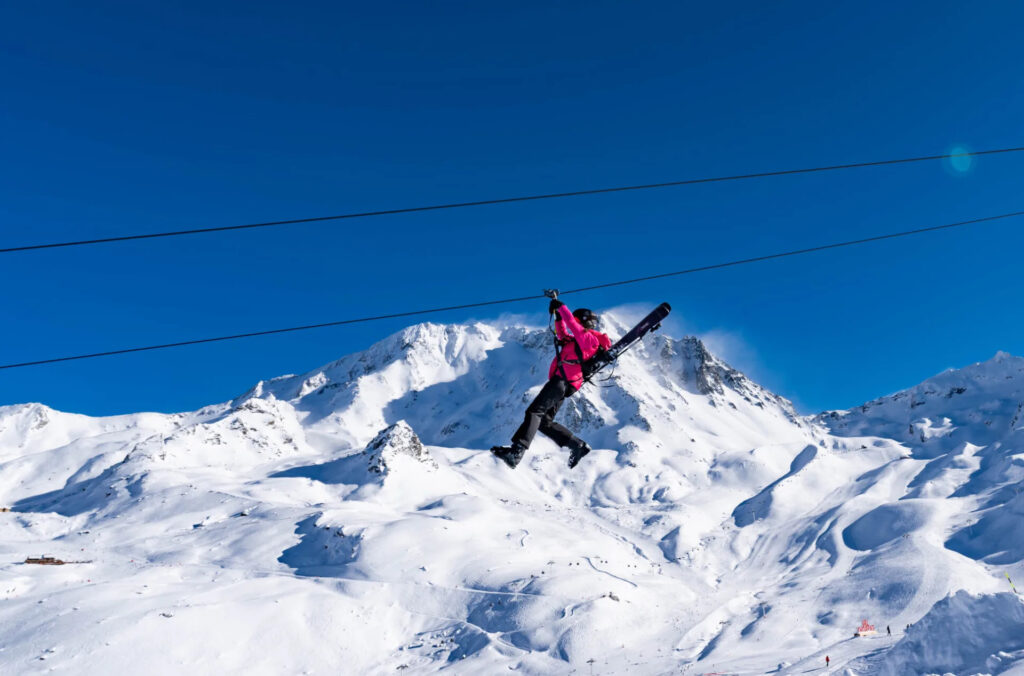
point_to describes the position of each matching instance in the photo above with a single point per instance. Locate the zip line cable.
(505, 200)
(798, 252)
(703, 268)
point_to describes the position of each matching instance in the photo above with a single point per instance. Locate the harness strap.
(560, 345)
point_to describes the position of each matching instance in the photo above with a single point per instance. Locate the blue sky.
(126, 117)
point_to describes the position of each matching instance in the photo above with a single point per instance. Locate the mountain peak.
(468, 384)
(395, 442)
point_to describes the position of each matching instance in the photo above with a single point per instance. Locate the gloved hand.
(554, 305)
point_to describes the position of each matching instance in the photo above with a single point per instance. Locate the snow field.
(347, 520)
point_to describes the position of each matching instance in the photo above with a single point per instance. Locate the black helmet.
(586, 317)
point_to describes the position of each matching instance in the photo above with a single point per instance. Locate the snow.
(349, 520)
(995, 640)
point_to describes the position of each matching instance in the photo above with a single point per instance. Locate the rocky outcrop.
(394, 442)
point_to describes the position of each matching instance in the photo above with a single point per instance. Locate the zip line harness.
(587, 366)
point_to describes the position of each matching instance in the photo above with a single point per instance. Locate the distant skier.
(578, 340)
(826, 661)
(888, 630)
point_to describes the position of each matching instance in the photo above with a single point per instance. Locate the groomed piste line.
(465, 306)
(509, 200)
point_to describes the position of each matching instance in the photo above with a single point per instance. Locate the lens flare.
(959, 162)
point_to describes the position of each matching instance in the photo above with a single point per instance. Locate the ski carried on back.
(568, 373)
(649, 323)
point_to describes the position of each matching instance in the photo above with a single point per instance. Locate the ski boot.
(510, 455)
(577, 454)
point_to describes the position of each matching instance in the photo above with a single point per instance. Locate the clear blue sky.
(125, 117)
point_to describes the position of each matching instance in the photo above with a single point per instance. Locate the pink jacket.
(588, 340)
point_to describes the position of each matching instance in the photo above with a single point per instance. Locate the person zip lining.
(577, 340)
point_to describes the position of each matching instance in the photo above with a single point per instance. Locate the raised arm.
(585, 338)
(560, 331)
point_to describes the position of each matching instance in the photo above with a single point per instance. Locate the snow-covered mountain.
(348, 520)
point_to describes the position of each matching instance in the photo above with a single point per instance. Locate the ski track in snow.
(344, 520)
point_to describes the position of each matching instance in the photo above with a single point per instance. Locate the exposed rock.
(393, 442)
(708, 372)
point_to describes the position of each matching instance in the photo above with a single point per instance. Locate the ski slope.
(347, 520)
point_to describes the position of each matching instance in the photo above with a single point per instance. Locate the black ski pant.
(540, 416)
